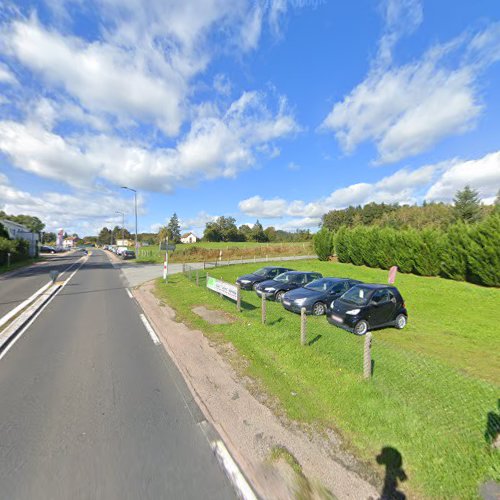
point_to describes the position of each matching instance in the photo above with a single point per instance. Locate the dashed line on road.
(129, 293)
(150, 330)
(232, 471)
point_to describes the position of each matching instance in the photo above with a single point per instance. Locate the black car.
(316, 296)
(248, 281)
(368, 306)
(276, 288)
(47, 249)
(127, 254)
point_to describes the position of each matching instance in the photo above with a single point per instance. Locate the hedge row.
(18, 249)
(463, 252)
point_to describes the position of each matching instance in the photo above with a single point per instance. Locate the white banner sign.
(222, 287)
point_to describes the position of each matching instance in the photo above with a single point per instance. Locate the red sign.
(392, 274)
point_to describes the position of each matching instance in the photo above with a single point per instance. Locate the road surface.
(92, 408)
(26, 281)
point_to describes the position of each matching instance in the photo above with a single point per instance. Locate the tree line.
(466, 249)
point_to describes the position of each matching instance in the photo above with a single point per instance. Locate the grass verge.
(434, 389)
(17, 265)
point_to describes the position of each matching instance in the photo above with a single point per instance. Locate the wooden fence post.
(263, 309)
(197, 278)
(367, 356)
(238, 297)
(303, 326)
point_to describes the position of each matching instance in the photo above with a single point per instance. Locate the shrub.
(428, 252)
(342, 245)
(323, 244)
(454, 257)
(483, 259)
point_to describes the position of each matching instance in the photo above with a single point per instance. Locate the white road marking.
(232, 470)
(150, 330)
(29, 300)
(129, 293)
(32, 320)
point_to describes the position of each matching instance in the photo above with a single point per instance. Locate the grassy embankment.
(16, 265)
(434, 388)
(209, 252)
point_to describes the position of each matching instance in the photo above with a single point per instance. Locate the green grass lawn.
(200, 252)
(434, 383)
(16, 265)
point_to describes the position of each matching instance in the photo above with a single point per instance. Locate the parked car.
(248, 281)
(276, 288)
(316, 296)
(368, 306)
(127, 254)
(47, 249)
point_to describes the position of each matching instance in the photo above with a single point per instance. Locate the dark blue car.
(317, 295)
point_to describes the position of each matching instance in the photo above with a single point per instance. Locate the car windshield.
(262, 272)
(287, 278)
(321, 285)
(357, 295)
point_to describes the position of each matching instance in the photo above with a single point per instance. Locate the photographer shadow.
(394, 473)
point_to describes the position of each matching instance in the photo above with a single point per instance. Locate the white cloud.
(404, 110)
(438, 182)
(219, 145)
(6, 75)
(196, 223)
(222, 84)
(84, 213)
(482, 174)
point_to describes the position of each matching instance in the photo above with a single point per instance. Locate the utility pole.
(135, 200)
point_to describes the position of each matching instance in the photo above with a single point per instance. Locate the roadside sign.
(223, 288)
(392, 275)
(167, 248)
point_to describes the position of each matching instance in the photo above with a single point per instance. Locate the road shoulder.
(251, 431)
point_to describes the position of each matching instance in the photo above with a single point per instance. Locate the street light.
(135, 199)
(123, 224)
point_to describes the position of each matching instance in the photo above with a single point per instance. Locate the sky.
(257, 109)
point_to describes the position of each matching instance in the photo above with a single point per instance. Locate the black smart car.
(368, 306)
(316, 296)
(276, 288)
(248, 281)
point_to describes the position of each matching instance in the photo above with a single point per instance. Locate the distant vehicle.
(120, 250)
(127, 254)
(276, 288)
(248, 281)
(368, 306)
(316, 296)
(47, 249)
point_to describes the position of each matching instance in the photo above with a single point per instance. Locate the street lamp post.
(135, 201)
(123, 223)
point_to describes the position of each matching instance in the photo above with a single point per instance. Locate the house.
(124, 243)
(189, 238)
(19, 232)
(70, 242)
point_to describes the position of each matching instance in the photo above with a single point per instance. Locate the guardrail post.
(367, 356)
(197, 278)
(303, 326)
(238, 297)
(263, 306)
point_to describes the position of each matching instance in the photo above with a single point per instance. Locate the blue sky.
(277, 110)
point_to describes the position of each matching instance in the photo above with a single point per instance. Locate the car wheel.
(279, 296)
(361, 327)
(318, 309)
(401, 321)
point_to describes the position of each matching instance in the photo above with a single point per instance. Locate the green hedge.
(18, 249)
(463, 252)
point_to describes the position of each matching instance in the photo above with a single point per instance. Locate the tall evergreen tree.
(467, 205)
(174, 229)
(258, 233)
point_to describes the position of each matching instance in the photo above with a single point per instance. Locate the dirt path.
(251, 430)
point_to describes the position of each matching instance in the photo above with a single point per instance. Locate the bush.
(483, 259)
(342, 245)
(428, 253)
(454, 257)
(323, 244)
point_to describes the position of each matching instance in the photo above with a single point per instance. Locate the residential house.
(189, 238)
(19, 232)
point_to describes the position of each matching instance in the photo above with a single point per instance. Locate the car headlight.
(300, 302)
(353, 312)
(245, 282)
(269, 289)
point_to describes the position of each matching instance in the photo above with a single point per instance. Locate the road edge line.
(150, 330)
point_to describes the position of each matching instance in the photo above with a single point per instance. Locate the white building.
(19, 232)
(124, 243)
(70, 242)
(189, 238)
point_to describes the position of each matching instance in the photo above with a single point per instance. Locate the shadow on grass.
(275, 321)
(492, 432)
(314, 340)
(394, 473)
(247, 306)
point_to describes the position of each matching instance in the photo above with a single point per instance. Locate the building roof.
(7, 222)
(187, 234)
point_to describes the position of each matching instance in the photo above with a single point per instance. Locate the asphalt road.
(91, 408)
(26, 281)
